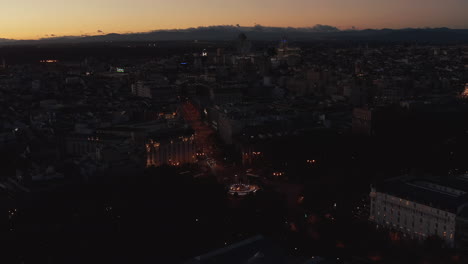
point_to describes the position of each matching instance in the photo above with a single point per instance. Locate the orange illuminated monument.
(242, 189)
(49, 61)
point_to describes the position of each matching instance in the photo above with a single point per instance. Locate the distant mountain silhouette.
(258, 32)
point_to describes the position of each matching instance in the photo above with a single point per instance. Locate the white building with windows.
(418, 208)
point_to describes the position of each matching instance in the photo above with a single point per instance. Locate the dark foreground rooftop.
(255, 250)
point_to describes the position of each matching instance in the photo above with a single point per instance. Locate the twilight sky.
(32, 19)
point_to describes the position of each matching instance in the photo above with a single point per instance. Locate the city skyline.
(29, 19)
(233, 132)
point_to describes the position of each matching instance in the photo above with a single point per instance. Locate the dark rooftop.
(417, 191)
(255, 250)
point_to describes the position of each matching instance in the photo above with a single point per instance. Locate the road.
(205, 141)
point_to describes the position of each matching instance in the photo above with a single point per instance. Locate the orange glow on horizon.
(32, 19)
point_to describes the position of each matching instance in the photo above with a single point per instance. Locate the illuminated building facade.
(418, 208)
(173, 147)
